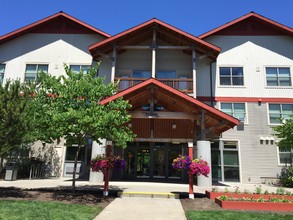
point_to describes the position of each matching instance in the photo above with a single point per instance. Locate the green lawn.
(22, 210)
(234, 215)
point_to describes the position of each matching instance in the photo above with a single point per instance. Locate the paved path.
(143, 209)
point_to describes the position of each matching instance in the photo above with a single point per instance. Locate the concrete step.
(149, 195)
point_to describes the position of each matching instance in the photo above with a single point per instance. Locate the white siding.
(254, 53)
(51, 49)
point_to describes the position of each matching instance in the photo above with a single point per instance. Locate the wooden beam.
(164, 115)
(135, 47)
(99, 53)
(175, 47)
(170, 140)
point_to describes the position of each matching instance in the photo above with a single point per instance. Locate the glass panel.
(173, 152)
(166, 74)
(141, 74)
(237, 81)
(84, 68)
(31, 68)
(143, 161)
(2, 67)
(285, 81)
(225, 81)
(237, 71)
(71, 151)
(272, 81)
(284, 72)
(75, 68)
(285, 157)
(130, 163)
(159, 160)
(271, 72)
(231, 158)
(43, 68)
(227, 108)
(274, 108)
(239, 107)
(225, 71)
(231, 174)
(216, 173)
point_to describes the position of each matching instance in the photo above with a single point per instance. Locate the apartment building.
(219, 93)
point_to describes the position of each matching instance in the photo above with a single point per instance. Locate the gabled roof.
(250, 24)
(165, 32)
(57, 23)
(173, 100)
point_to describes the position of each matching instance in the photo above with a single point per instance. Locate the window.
(231, 76)
(78, 68)
(32, 70)
(141, 74)
(278, 76)
(225, 161)
(278, 112)
(236, 110)
(2, 69)
(166, 74)
(285, 157)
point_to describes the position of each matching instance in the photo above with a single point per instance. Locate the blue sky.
(193, 16)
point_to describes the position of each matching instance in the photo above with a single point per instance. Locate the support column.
(97, 149)
(107, 173)
(190, 176)
(194, 71)
(113, 69)
(204, 152)
(154, 46)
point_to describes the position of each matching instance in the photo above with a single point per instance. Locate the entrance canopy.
(161, 113)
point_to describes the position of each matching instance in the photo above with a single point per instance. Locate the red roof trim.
(175, 92)
(29, 27)
(251, 14)
(154, 20)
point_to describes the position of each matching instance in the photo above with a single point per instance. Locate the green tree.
(13, 124)
(69, 107)
(285, 133)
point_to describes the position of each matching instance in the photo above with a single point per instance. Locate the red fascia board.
(251, 14)
(29, 27)
(175, 92)
(254, 99)
(155, 21)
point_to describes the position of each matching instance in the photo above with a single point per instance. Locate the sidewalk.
(143, 209)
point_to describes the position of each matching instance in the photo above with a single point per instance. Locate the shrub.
(286, 177)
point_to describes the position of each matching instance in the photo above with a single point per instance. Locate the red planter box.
(246, 205)
(213, 195)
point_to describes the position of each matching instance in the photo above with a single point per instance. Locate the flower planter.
(213, 195)
(246, 205)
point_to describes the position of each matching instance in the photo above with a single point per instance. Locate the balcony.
(182, 84)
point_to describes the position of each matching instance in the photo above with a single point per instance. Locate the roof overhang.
(250, 24)
(57, 23)
(165, 32)
(175, 101)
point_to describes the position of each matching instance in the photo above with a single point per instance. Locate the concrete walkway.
(143, 209)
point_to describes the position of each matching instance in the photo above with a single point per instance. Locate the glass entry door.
(143, 161)
(152, 160)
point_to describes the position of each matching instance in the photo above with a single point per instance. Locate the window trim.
(278, 156)
(2, 80)
(230, 66)
(268, 112)
(37, 64)
(277, 86)
(246, 112)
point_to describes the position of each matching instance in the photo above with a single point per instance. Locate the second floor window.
(2, 69)
(278, 76)
(236, 110)
(278, 112)
(141, 74)
(231, 76)
(78, 68)
(32, 70)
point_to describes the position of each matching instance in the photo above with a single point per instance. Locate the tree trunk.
(75, 166)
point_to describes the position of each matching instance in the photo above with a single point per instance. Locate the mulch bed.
(88, 195)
